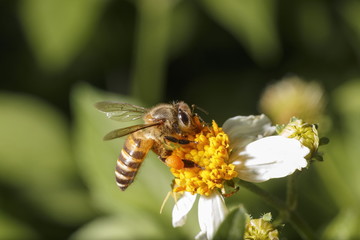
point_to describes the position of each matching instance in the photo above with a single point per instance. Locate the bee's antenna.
(193, 106)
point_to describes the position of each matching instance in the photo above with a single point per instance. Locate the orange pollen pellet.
(174, 161)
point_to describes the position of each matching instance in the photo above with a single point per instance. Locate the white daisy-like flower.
(245, 148)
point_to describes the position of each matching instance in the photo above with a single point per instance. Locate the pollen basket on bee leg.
(174, 161)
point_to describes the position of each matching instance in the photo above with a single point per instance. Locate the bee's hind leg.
(175, 162)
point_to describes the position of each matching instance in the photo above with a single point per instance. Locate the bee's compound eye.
(183, 117)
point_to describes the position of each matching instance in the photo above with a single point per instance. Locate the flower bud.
(306, 133)
(261, 229)
(292, 96)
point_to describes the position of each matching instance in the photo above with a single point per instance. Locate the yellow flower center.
(210, 153)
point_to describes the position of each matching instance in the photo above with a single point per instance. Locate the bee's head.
(177, 118)
(186, 118)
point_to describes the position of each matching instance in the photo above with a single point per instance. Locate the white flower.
(211, 212)
(258, 156)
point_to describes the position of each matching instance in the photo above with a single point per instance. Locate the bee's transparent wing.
(121, 111)
(127, 130)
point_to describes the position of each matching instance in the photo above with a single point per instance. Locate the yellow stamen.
(210, 153)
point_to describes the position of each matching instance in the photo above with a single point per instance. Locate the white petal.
(269, 157)
(212, 211)
(182, 208)
(245, 129)
(201, 236)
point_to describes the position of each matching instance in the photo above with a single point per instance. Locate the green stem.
(294, 218)
(291, 197)
(291, 200)
(152, 42)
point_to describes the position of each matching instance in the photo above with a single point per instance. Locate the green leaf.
(36, 160)
(58, 29)
(152, 43)
(233, 227)
(347, 99)
(97, 158)
(344, 226)
(350, 13)
(32, 135)
(252, 22)
(314, 36)
(131, 226)
(15, 230)
(183, 21)
(340, 170)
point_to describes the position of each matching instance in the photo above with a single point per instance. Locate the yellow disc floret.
(210, 153)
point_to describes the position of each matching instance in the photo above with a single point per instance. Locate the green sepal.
(267, 217)
(324, 141)
(294, 119)
(233, 227)
(279, 128)
(317, 157)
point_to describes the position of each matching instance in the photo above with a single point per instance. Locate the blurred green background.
(59, 57)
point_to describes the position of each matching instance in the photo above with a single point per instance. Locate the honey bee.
(165, 125)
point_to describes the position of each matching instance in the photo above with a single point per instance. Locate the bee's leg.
(172, 161)
(178, 163)
(189, 164)
(179, 141)
(235, 190)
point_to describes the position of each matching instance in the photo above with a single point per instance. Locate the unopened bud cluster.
(306, 133)
(261, 229)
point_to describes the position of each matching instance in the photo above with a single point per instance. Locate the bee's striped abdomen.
(130, 159)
